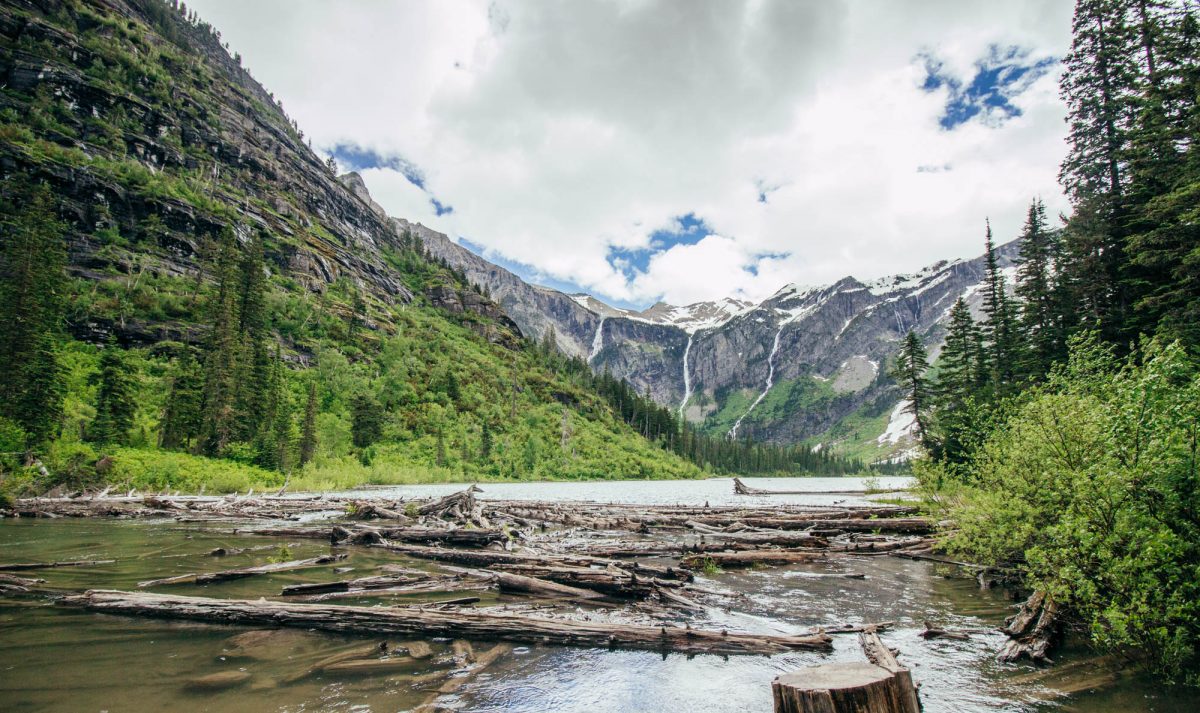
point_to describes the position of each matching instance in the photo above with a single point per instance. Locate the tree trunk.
(844, 688)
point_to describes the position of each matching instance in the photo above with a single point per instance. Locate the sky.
(683, 150)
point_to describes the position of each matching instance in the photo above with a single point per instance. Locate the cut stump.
(845, 688)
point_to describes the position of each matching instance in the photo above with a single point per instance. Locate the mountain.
(808, 364)
(177, 179)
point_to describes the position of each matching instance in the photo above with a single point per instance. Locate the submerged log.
(438, 623)
(224, 575)
(453, 684)
(740, 488)
(23, 566)
(1032, 631)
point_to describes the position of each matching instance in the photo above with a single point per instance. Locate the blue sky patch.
(353, 157)
(1000, 76)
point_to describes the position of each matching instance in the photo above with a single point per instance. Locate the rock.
(269, 644)
(417, 649)
(218, 681)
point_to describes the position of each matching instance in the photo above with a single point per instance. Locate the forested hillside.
(1061, 430)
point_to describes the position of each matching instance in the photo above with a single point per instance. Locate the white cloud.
(558, 130)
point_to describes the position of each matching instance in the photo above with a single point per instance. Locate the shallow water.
(713, 491)
(57, 659)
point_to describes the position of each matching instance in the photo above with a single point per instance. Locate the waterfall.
(687, 378)
(770, 382)
(597, 340)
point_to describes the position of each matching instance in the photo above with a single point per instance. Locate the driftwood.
(750, 558)
(740, 488)
(23, 566)
(485, 558)
(225, 575)
(431, 623)
(934, 632)
(1032, 631)
(510, 582)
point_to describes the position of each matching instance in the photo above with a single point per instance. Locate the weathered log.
(749, 558)
(485, 558)
(510, 582)
(934, 632)
(740, 488)
(612, 581)
(23, 566)
(1033, 631)
(228, 574)
(434, 623)
(378, 582)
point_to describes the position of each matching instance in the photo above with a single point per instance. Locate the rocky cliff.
(154, 140)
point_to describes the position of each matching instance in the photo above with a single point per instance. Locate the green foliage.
(115, 406)
(1093, 489)
(366, 420)
(32, 258)
(909, 371)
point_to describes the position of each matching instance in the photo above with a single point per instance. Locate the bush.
(1092, 488)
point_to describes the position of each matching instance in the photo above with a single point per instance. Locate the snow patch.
(902, 424)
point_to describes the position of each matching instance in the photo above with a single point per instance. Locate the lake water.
(58, 659)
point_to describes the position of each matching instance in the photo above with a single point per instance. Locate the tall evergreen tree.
(32, 283)
(115, 404)
(308, 432)
(909, 371)
(366, 420)
(221, 350)
(1040, 315)
(958, 363)
(181, 419)
(1001, 344)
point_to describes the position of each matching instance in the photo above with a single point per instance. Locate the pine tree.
(1001, 346)
(221, 351)
(1039, 320)
(366, 420)
(181, 419)
(308, 432)
(485, 440)
(115, 404)
(253, 364)
(32, 283)
(959, 360)
(909, 371)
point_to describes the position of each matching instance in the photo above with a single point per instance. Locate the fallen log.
(228, 574)
(486, 558)
(1032, 631)
(378, 582)
(740, 488)
(510, 582)
(749, 558)
(23, 566)
(467, 624)
(934, 632)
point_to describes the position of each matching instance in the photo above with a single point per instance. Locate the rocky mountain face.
(155, 141)
(808, 363)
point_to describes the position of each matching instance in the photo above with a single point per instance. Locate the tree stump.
(845, 688)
